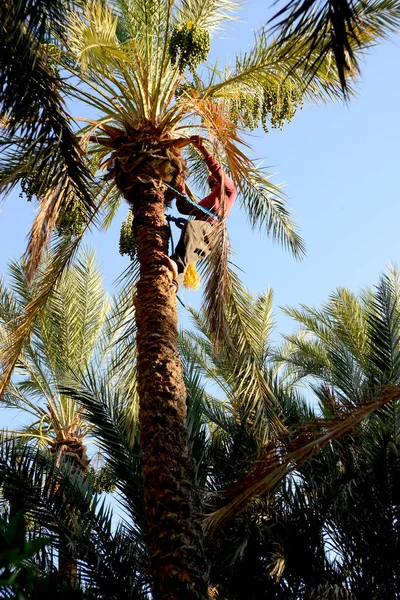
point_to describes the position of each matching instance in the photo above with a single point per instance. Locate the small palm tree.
(72, 333)
(350, 348)
(64, 342)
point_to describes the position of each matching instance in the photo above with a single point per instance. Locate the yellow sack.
(192, 278)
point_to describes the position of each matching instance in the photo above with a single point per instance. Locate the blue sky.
(340, 164)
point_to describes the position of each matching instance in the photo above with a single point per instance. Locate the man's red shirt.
(221, 199)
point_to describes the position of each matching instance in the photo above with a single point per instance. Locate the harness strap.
(179, 221)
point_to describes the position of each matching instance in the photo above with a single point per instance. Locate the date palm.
(63, 343)
(350, 348)
(146, 106)
(72, 333)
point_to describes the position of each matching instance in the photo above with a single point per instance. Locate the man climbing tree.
(200, 235)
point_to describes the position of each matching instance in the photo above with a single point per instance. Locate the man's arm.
(182, 205)
(215, 168)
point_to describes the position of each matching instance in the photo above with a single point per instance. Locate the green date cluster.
(102, 480)
(72, 219)
(274, 106)
(189, 46)
(31, 185)
(127, 239)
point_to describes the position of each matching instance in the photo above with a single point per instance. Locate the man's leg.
(196, 241)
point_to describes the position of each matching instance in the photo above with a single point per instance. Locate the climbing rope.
(179, 222)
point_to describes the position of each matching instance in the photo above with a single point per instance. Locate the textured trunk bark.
(67, 561)
(172, 500)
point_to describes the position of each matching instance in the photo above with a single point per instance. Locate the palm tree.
(65, 340)
(134, 62)
(350, 349)
(112, 559)
(72, 333)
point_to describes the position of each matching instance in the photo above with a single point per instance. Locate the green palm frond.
(238, 365)
(340, 28)
(351, 342)
(34, 124)
(347, 317)
(383, 320)
(74, 315)
(106, 411)
(265, 207)
(210, 14)
(196, 398)
(62, 502)
(293, 452)
(268, 66)
(62, 253)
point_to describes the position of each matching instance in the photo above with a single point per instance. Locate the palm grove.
(141, 67)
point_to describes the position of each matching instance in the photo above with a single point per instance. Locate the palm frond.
(62, 253)
(217, 288)
(106, 410)
(291, 453)
(33, 119)
(383, 320)
(62, 502)
(74, 315)
(210, 14)
(237, 365)
(338, 28)
(265, 207)
(270, 67)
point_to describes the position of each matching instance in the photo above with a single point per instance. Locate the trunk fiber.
(75, 450)
(173, 506)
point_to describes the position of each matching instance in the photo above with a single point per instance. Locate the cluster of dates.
(189, 46)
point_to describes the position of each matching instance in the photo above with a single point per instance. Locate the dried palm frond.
(288, 454)
(44, 224)
(62, 254)
(215, 271)
(223, 132)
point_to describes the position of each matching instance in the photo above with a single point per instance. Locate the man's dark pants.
(197, 241)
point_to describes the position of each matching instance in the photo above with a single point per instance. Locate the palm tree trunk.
(67, 563)
(173, 505)
(76, 453)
